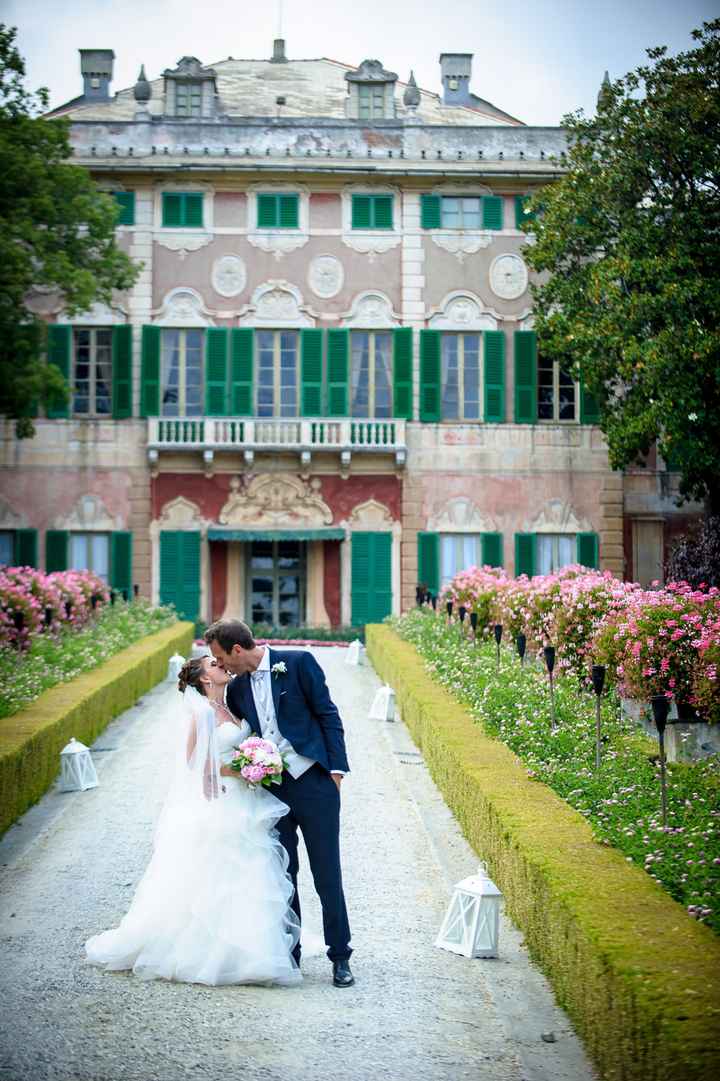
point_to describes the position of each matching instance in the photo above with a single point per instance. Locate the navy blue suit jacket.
(306, 714)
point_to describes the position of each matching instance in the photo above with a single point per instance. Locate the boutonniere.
(279, 669)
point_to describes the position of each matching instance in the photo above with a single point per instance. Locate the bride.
(213, 906)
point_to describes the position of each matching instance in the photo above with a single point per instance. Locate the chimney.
(96, 68)
(278, 56)
(455, 71)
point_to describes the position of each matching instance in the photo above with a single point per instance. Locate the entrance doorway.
(277, 581)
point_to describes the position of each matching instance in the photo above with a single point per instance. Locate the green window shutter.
(371, 577)
(172, 209)
(403, 373)
(288, 212)
(430, 211)
(126, 207)
(216, 377)
(588, 550)
(180, 571)
(589, 406)
(241, 372)
(338, 352)
(494, 341)
(56, 550)
(267, 211)
(361, 212)
(525, 545)
(430, 390)
(382, 212)
(122, 372)
(492, 208)
(121, 561)
(59, 347)
(429, 561)
(150, 372)
(521, 213)
(311, 353)
(193, 208)
(525, 377)
(492, 549)
(25, 548)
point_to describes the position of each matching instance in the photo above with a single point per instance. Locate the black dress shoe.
(342, 976)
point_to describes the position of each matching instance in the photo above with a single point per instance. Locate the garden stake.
(473, 624)
(498, 638)
(418, 595)
(661, 708)
(448, 608)
(549, 652)
(598, 682)
(521, 643)
(48, 616)
(434, 602)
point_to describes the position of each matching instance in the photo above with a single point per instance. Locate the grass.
(621, 801)
(57, 658)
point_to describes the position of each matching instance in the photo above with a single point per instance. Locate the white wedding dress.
(213, 906)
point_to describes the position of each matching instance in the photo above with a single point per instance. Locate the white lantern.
(174, 665)
(77, 771)
(355, 653)
(472, 923)
(383, 705)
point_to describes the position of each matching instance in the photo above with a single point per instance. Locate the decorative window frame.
(290, 312)
(370, 241)
(88, 515)
(461, 242)
(464, 312)
(461, 515)
(370, 310)
(98, 315)
(557, 517)
(184, 239)
(278, 241)
(182, 308)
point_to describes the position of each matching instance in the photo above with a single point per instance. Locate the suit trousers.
(314, 802)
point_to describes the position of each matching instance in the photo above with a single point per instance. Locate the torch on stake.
(549, 652)
(521, 644)
(661, 708)
(598, 682)
(498, 639)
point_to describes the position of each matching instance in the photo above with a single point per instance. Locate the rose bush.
(32, 602)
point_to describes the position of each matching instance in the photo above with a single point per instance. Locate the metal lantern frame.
(77, 772)
(471, 926)
(383, 705)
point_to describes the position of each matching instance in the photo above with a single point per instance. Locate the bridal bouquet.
(258, 762)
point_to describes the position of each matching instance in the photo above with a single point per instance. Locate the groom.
(283, 696)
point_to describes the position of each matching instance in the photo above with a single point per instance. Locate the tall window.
(7, 549)
(458, 552)
(371, 376)
(90, 552)
(92, 372)
(371, 102)
(554, 551)
(557, 392)
(188, 99)
(277, 373)
(181, 357)
(460, 358)
(461, 212)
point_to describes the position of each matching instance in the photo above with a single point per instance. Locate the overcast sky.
(536, 60)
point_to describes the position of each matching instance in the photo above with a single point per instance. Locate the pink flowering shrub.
(652, 641)
(26, 594)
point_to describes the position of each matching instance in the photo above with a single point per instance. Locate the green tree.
(628, 243)
(57, 231)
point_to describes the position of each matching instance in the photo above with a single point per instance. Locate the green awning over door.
(227, 533)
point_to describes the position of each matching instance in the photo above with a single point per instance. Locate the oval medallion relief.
(326, 276)
(229, 276)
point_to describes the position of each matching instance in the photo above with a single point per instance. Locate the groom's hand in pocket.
(337, 778)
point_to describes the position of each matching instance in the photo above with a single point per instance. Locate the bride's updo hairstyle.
(190, 675)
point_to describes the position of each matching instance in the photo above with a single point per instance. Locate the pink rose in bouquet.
(258, 761)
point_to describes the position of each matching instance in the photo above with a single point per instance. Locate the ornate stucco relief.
(326, 276)
(462, 244)
(277, 304)
(277, 501)
(461, 515)
(559, 517)
(371, 311)
(370, 515)
(88, 515)
(183, 307)
(9, 518)
(464, 311)
(182, 243)
(180, 513)
(229, 276)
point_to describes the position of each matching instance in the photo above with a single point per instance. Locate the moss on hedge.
(638, 977)
(31, 740)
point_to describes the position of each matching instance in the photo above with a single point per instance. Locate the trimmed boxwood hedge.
(639, 978)
(31, 740)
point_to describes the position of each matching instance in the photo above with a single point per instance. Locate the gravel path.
(69, 867)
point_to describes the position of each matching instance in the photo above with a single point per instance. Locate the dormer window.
(190, 90)
(371, 92)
